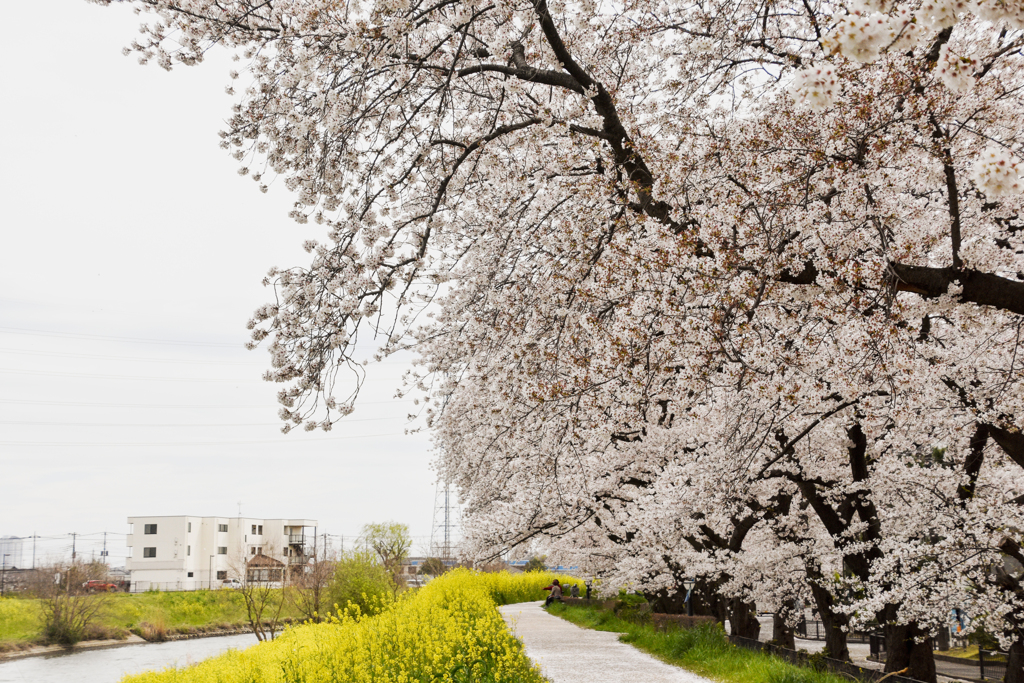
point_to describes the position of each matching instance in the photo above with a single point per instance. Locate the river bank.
(109, 663)
(152, 616)
(131, 639)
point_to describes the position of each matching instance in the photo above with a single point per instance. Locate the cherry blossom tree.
(694, 285)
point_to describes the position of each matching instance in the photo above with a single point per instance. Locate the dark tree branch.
(530, 74)
(954, 213)
(1011, 442)
(974, 461)
(979, 288)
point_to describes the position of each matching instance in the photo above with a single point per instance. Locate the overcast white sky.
(131, 255)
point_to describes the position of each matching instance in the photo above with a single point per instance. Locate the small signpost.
(688, 584)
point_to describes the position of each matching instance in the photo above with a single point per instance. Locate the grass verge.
(21, 623)
(971, 652)
(152, 615)
(705, 650)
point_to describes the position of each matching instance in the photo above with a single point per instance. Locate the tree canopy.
(390, 540)
(730, 290)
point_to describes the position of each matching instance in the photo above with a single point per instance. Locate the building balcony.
(296, 539)
(297, 559)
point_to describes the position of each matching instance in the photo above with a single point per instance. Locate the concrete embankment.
(132, 639)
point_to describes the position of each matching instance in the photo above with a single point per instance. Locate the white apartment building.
(186, 553)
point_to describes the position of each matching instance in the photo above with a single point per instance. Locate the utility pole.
(33, 550)
(73, 553)
(105, 547)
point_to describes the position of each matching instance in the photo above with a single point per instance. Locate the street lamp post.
(3, 574)
(688, 584)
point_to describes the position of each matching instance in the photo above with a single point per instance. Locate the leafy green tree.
(433, 566)
(360, 579)
(536, 564)
(391, 541)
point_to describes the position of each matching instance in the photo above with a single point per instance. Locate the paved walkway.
(570, 654)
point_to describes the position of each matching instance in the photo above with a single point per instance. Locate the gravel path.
(570, 654)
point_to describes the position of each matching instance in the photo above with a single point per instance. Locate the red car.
(96, 586)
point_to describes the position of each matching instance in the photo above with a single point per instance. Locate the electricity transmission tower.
(446, 521)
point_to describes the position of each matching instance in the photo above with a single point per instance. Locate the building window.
(222, 574)
(222, 550)
(222, 528)
(150, 529)
(252, 550)
(253, 529)
(190, 575)
(259, 530)
(188, 550)
(259, 551)
(149, 552)
(190, 527)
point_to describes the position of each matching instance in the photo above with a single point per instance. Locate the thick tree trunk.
(1015, 663)
(743, 619)
(708, 602)
(782, 633)
(832, 621)
(663, 603)
(904, 652)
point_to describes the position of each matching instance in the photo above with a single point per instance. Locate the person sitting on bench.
(556, 592)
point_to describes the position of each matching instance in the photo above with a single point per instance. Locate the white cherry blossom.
(997, 173)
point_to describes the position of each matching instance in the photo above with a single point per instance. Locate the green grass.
(174, 610)
(150, 613)
(971, 652)
(20, 621)
(705, 650)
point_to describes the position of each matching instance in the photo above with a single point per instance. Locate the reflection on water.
(109, 666)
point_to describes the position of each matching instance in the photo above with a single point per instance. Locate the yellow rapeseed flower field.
(448, 631)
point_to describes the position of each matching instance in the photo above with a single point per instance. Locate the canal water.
(110, 665)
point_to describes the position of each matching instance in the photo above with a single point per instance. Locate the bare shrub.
(69, 607)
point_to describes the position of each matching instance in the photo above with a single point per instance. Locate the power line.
(138, 340)
(182, 424)
(84, 375)
(182, 361)
(167, 405)
(100, 533)
(24, 352)
(188, 406)
(191, 443)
